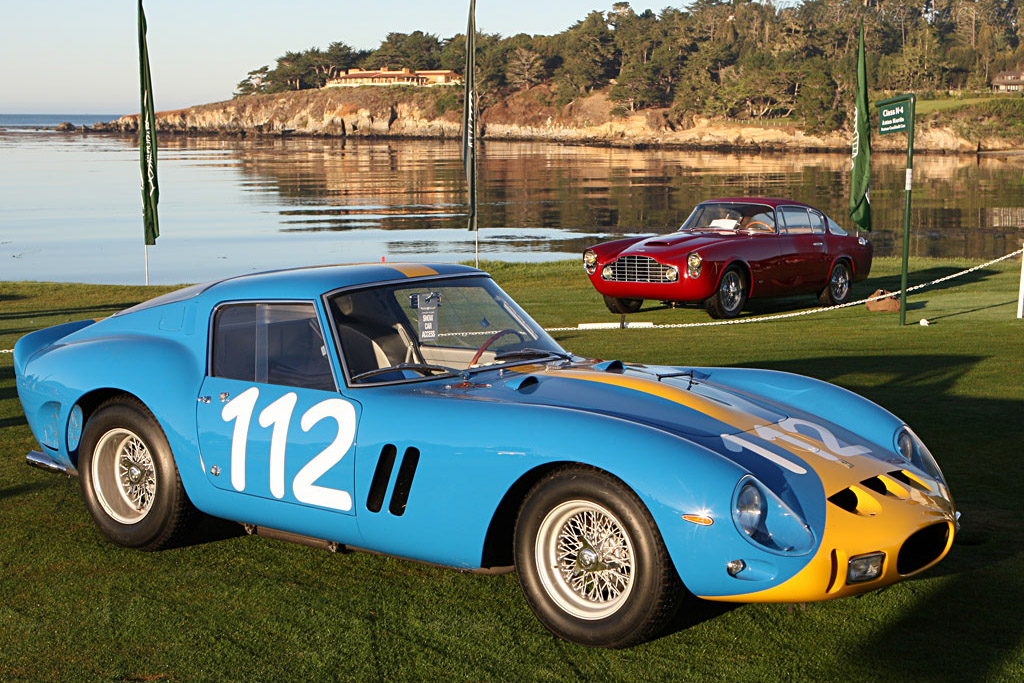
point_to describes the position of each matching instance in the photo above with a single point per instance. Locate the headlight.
(693, 264)
(767, 521)
(749, 509)
(671, 273)
(910, 447)
(590, 261)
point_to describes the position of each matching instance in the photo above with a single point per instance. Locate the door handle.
(817, 244)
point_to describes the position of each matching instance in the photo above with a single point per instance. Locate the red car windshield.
(730, 217)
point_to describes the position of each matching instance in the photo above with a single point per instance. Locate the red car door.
(803, 251)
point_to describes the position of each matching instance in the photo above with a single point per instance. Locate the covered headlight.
(767, 521)
(590, 261)
(693, 264)
(910, 447)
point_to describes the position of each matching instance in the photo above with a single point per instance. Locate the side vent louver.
(404, 483)
(382, 477)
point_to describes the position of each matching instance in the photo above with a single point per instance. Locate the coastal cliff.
(436, 113)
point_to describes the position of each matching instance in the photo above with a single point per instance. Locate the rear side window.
(796, 219)
(817, 223)
(271, 343)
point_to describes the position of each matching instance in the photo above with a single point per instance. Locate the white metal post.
(1020, 291)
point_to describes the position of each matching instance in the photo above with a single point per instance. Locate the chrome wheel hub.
(731, 291)
(840, 283)
(124, 476)
(585, 559)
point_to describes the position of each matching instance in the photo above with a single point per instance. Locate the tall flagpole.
(470, 126)
(147, 144)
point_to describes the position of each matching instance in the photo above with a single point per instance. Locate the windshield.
(730, 217)
(414, 331)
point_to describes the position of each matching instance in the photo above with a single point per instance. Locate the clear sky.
(81, 56)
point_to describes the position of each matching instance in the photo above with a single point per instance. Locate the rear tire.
(591, 562)
(623, 305)
(837, 290)
(730, 296)
(129, 481)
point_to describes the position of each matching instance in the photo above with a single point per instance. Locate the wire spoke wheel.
(731, 291)
(839, 283)
(586, 559)
(125, 475)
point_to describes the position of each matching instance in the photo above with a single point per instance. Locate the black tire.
(623, 305)
(128, 477)
(837, 289)
(634, 577)
(730, 296)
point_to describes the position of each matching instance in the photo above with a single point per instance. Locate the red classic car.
(731, 250)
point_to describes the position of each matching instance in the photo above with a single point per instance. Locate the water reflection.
(231, 205)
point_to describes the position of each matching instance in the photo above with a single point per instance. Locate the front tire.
(591, 562)
(622, 305)
(837, 291)
(730, 296)
(129, 481)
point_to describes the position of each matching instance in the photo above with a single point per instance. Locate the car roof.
(770, 201)
(305, 283)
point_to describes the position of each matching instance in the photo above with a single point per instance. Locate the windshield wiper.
(422, 367)
(531, 353)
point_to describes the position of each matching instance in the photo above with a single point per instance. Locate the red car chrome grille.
(630, 268)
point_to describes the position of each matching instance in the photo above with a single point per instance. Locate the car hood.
(765, 435)
(675, 243)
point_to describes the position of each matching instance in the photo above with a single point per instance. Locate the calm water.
(70, 207)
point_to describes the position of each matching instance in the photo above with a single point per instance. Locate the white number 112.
(279, 414)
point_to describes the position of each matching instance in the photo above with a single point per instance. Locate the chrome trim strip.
(44, 462)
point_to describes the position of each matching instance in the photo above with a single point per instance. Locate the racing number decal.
(832, 449)
(279, 415)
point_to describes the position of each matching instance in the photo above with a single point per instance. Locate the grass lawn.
(232, 607)
(928, 106)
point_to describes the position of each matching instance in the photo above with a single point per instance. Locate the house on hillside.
(1008, 81)
(356, 77)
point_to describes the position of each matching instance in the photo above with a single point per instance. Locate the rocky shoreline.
(406, 113)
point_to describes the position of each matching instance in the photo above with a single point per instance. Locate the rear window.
(271, 343)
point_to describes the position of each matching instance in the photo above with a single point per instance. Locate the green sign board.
(894, 118)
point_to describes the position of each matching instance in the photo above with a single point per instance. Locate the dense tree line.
(739, 59)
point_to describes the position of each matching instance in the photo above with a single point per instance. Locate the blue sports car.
(417, 411)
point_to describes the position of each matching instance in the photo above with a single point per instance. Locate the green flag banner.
(147, 140)
(860, 178)
(469, 115)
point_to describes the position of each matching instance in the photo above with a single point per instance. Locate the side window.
(817, 223)
(835, 228)
(271, 344)
(797, 220)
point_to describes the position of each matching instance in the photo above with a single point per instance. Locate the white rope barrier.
(811, 311)
(741, 321)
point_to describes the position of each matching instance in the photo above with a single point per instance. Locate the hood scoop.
(611, 366)
(523, 384)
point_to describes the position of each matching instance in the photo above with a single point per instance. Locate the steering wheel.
(751, 224)
(490, 340)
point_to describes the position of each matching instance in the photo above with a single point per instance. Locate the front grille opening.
(846, 499)
(876, 485)
(909, 479)
(631, 268)
(922, 548)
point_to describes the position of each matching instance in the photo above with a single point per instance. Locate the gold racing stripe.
(834, 472)
(412, 269)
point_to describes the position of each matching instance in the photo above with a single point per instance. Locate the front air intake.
(922, 548)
